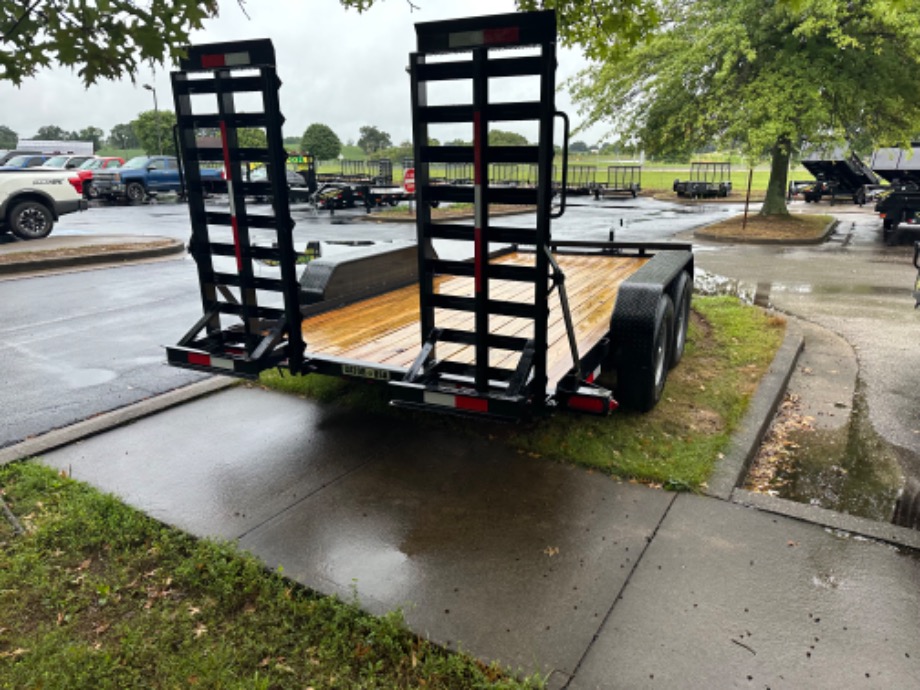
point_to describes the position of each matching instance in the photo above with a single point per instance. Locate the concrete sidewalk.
(539, 566)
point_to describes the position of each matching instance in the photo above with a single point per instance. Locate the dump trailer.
(707, 180)
(900, 204)
(527, 324)
(838, 174)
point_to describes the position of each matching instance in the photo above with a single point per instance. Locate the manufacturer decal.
(365, 372)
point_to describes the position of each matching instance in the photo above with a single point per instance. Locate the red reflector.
(584, 403)
(199, 359)
(495, 36)
(473, 404)
(212, 61)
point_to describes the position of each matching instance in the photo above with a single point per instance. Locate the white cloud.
(337, 67)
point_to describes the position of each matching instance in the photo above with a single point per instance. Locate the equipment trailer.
(524, 326)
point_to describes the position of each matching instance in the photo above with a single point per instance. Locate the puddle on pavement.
(851, 470)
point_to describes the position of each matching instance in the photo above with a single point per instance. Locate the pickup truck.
(31, 200)
(146, 176)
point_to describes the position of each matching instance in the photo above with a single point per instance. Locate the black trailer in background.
(707, 180)
(839, 174)
(900, 205)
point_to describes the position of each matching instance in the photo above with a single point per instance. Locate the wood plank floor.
(385, 329)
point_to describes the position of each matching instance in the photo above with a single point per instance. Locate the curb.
(110, 420)
(175, 247)
(731, 469)
(903, 537)
(828, 231)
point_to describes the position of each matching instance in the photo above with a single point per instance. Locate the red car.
(85, 172)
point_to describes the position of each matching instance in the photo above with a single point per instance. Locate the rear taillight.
(77, 183)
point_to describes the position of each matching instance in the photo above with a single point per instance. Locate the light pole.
(156, 115)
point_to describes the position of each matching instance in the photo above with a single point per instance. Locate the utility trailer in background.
(524, 326)
(707, 180)
(621, 179)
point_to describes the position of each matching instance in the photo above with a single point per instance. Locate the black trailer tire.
(683, 294)
(135, 192)
(31, 220)
(642, 371)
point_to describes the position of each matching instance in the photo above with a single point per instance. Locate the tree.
(373, 139)
(101, 40)
(93, 134)
(123, 137)
(51, 133)
(252, 138)
(578, 147)
(153, 129)
(498, 137)
(769, 78)
(321, 141)
(8, 138)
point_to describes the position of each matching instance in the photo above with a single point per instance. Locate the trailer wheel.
(682, 296)
(643, 368)
(31, 220)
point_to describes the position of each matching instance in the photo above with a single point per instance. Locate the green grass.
(97, 595)
(730, 346)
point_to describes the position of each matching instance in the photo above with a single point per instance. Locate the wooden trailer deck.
(385, 329)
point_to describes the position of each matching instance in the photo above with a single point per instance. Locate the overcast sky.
(338, 67)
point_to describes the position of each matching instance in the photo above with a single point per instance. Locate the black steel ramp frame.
(261, 333)
(471, 51)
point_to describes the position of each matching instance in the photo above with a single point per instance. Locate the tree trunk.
(774, 203)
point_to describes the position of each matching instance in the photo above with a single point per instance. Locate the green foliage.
(252, 138)
(123, 137)
(153, 129)
(51, 133)
(321, 141)
(93, 134)
(498, 137)
(8, 138)
(764, 77)
(101, 40)
(97, 595)
(373, 139)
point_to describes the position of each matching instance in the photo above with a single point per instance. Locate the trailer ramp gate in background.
(263, 312)
(508, 371)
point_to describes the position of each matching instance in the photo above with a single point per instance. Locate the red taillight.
(77, 183)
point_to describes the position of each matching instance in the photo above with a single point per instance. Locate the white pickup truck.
(32, 199)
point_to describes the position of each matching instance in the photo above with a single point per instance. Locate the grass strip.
(730, 345)
(97, 595)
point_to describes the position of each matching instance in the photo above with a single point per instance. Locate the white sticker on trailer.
(440, 399)
(219, 363)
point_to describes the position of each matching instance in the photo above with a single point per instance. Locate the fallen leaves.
(775, 453)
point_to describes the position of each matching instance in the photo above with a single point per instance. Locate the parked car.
(85, 172)
(65, 162)
(32, 160)
(32, 200)
(12, 154)
(148, 175)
